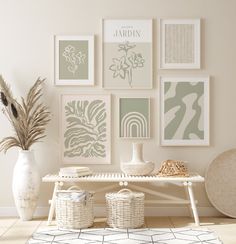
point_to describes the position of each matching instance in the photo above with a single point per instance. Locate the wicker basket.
(125, 209)
(173, 168)
(74, 213)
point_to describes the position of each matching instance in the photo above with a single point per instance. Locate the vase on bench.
(137, 165)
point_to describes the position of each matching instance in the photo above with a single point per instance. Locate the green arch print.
(134, 117)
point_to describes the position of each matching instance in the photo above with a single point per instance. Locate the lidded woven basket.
(73, 211)
(125, 209)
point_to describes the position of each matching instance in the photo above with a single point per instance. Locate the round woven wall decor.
(220, 181)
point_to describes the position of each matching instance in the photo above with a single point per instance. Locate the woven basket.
(173, 168)
(125, 209)
(74, 214)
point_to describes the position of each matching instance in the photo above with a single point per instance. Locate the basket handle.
(73, 187)
(125, 190)
(77, 188)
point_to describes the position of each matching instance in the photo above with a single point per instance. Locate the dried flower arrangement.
(28, 119)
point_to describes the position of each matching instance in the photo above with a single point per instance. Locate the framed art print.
(134, 117)
(179, 43)
(85, 129)
(74, 60)
(127, 54)
(184, 111)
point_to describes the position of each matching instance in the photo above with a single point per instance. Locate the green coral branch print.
(123, 66)
(85, 133)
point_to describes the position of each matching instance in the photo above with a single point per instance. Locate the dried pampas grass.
(28, 118)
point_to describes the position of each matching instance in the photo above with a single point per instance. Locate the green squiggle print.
(182, 90)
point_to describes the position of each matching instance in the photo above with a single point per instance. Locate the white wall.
(26, 52)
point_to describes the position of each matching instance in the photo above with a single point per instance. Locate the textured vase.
(26, 184)
(137, 165)
(137, 155)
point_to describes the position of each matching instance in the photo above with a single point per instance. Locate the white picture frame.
(180, 43)
(132, 53)
(85, 136)
(134, 113)
(74, 60)
(183, 120)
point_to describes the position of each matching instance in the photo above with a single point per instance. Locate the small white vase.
(26, 184)
(137, 156)
(137, 165)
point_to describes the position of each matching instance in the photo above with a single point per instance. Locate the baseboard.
(100, 211)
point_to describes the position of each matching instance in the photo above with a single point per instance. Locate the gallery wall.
(26, 52)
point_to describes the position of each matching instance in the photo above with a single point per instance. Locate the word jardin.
(127, 33)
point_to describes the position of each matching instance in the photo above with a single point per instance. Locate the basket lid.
(125, 193)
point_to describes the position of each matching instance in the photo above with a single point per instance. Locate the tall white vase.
(26, 184)
(137, 155)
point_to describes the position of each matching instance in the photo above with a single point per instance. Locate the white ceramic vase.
(137, 165)
(137, 155)
(26, 184)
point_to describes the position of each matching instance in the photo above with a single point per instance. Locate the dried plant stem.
(28, 119)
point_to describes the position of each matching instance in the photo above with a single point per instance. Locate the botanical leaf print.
(123, 66)
(74, 58)
(119, 67)
(85, 134)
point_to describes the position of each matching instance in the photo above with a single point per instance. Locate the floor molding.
(100, 211)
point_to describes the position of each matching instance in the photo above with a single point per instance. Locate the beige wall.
(26, 52)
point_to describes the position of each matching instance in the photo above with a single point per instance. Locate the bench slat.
(116, 177)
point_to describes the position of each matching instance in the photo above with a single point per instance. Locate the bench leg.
(193, 204)
(57, 186)
(187, 196)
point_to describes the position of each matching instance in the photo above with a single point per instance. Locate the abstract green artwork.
(185, 111)
(134, 117)
(127, 54)
(85, 130)
(74, 60)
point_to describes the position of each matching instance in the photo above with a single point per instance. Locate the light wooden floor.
(14, 231)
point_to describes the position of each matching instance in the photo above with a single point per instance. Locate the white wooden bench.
(125, 180)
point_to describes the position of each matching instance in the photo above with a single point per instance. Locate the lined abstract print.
(184, 110)
(179, 43)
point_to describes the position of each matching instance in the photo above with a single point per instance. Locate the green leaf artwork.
(86, 129)
(124, 65)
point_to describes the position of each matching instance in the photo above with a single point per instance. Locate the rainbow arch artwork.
(134, 118)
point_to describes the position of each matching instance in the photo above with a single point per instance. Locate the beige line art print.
(124, 66)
